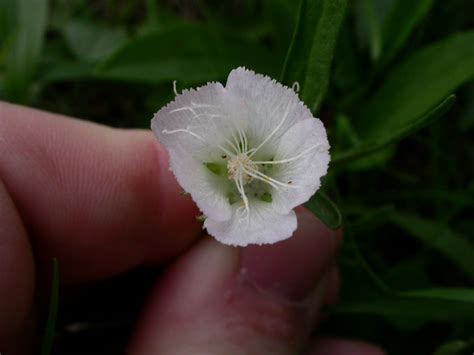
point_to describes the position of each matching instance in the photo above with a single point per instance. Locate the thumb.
(224, 300)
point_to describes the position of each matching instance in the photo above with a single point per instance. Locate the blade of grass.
(48, 339)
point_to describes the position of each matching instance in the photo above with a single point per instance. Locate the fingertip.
(100, 200)
(175, 215)
(257, 299)
(190, 290)
(294, 266)
(332, 292)
(163, 217)
(17, 276)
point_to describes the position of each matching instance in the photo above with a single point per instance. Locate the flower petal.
(264, 226)
(198, 120)
(307, 141)
(205, 188)
(192, 128)
(268, 105)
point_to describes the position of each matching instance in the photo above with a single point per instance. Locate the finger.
(257, 300)
(16, 276)
(101, 200)
(333, 346)
(331, 296)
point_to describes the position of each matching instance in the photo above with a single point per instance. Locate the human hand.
(102, 201)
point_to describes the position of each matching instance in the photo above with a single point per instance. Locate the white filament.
(242, 173)
(285, 115)
(174, 88)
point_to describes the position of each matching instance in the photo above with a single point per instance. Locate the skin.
(102, 201)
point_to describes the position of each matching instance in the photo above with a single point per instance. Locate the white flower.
(248, 153)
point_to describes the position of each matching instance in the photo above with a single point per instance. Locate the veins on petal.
(285, 115)
(236, 144)
(288, 160)
(197, 136)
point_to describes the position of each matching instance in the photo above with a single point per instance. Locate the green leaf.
(368, 22)
(417, 85)
(449, 294)
(294, 68)
(413, 307)
(429, 304)
(92, 42)
(309, 61)
(189, 53)
(7, 22)
(48, 339)
(439, 237)
(326, 210)
(402, 19)
(64, 71)
(373, 144)
(454, 347)
(322, 52)
(281, 16)
(348, 70)
(25, 49)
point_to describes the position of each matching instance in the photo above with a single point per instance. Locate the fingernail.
(291, 269)
(208, 265)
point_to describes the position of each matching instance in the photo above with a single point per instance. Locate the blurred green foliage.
(391, 80)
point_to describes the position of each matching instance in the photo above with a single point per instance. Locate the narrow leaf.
(7, 22)
(48, 339)
(294, 68)
(321, 55)
(402, 19)
(454, 347)
(411, 308)
(25, 50)
(449, 294)
(326, 210)
(92, 42)
(439, 237)
(417, 85)
(189, 53)
(375, 144)
(310, 55)
(369, 25)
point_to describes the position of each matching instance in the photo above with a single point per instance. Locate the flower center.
(240, 166)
